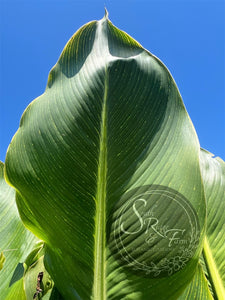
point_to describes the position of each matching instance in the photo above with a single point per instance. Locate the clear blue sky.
(188, 36)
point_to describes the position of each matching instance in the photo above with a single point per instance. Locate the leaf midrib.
(214, 275)
(99, 289)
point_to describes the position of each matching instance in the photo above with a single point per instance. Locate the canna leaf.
(20, 258)
(15, 243)
(209, 280)
(213, 172)
(106, 168)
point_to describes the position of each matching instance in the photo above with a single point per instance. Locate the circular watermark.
(154, 231)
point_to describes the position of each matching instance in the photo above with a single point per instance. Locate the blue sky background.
(188, 36)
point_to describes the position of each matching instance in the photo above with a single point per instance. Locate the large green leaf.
(106, 168)
(213, 172)
(21, 253)
(209, 280)
(15, 243)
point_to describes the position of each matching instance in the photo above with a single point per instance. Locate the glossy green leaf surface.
(110, 128)
(20, 251)
(209, 280)
(15, 243)
(213, 172)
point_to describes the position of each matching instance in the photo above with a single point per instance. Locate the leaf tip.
(106, 13)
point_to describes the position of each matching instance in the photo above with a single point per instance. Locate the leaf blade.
(15, 242)
(58, 161)
(213, 171)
